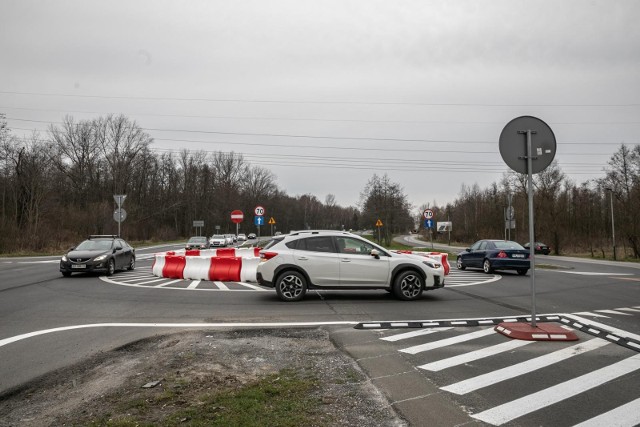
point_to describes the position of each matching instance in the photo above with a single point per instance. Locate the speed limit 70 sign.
(259, 211)
(428, 214)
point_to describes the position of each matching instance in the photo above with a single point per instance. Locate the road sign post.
(120, 214)
(236, 217)
(378, 225)
(272, 222)
(521, 159)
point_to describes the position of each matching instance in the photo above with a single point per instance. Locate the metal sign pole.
(532, 252)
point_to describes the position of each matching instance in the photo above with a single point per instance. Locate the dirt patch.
(108, 388)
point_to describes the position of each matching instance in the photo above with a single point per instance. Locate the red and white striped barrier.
(224, 265)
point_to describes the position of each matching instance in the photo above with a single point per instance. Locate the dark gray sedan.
(491, 255)
(99, 254)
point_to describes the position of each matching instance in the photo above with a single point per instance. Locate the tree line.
(57, 189)
(570, 217)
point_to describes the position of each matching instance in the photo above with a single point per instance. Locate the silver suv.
(304, 260)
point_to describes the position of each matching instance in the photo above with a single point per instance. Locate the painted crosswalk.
(142, 277)
(511, 382)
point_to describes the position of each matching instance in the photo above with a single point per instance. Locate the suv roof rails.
(103, 236)
(296, 233)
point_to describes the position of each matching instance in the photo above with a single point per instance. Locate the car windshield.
(218, 236)
(508, 245)
(94, 245)
(198, 240)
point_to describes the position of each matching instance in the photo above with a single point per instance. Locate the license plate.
(79, 266)
(517, 256)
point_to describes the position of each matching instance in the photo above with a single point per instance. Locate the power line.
(310, 119)
(322, 137)
(271, 101)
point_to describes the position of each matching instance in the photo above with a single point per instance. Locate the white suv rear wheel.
(291, 286)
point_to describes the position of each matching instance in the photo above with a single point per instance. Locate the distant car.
(242, 237)
(493, 255)
(99, 254)
(197, 242)
(540, 248)
(251, 236)
(309, 259)
(218, 241)
(230, 239)
(278, 233)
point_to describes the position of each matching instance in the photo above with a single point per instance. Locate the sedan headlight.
(432, 264)
(100, 257)
(64, 258)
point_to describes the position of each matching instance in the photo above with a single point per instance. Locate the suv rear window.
(273, 242)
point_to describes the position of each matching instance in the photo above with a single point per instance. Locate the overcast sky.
(327, 93)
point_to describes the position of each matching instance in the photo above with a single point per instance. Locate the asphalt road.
(94, 314)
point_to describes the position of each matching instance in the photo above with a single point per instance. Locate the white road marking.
(448, 341)
(633, 310)
(613, 312)
(588, 313)
(494, 377)
(533, 402)
(167, 283)
(221, 285)
(21, 337)
(254, 287)
(193, 284)
(627, 415)
(413, 334)
(474, 355)
(611, 329)
(591, 273)
(150, 281)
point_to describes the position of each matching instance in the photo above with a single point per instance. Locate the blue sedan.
(493, 255)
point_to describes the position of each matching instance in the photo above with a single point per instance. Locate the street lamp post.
(613, 227)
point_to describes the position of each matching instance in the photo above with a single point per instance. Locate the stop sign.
(237, 216)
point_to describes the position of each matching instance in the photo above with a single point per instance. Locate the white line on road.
(613, 312)
(543, 398)
(193, 284)
(627, 415)
(413, 334)
(221, 285)
(21, 337)
(167, 283)
(494, 377)
(448, 341)
(588, 313)
(474, 355)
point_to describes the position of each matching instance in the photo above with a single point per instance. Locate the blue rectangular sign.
(429, 223)
(258, 220)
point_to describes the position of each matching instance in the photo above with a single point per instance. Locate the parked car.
(99, 254)
(218, 241)
(493, 255)
(540, 248)
(304, 260)
(242, 237)
(197, 242)
(230, 238)
(251, 236)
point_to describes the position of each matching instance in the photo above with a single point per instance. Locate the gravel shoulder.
(108, 389)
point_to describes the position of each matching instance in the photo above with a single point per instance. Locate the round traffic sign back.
(119, 215)
(237, 216)
(513, 144)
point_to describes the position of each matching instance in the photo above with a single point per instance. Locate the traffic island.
(541, 332)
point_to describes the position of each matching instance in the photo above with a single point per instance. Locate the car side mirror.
(468, 249)
(375, 253)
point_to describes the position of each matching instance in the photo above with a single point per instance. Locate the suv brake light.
(266, 256)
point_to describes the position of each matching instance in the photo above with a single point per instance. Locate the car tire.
(408, 285)
(132, 264)
(111, 267)
(486, 266)
(291, 286)
(66, 273)
(459, 264)
(522, 271)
